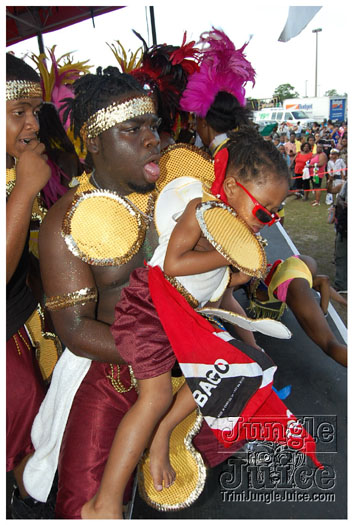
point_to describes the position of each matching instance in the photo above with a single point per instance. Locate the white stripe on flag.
(268, 376)
(221, 423)
(224, 335)
(199, 370)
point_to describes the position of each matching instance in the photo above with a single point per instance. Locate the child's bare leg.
(308, 313)
(229, 302)
(335, 296)
(321, 283)
(160, 466)
(130, 440)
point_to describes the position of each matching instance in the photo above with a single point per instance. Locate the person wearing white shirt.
(336, 167)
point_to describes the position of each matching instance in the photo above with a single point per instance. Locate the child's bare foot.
(92, 511)
(161, 470)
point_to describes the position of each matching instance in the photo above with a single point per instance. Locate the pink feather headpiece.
(223, 68)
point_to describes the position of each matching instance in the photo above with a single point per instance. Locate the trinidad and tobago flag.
(230, 381)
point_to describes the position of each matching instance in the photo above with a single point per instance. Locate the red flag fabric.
(220, 168)
(231, 381)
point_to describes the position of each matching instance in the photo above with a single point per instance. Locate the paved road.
(284, 487)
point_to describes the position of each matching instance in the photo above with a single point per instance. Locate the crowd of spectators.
(318, 161)
(312, 154)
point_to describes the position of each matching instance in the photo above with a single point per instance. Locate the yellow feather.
(64, 64)
(126, 63)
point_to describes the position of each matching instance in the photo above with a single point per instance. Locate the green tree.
(333, 93)
(284, 91)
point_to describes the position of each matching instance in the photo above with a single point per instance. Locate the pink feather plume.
(223, 68)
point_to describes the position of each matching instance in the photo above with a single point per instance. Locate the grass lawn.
(307, 227)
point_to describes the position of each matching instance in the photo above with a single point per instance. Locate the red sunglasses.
(262, 214)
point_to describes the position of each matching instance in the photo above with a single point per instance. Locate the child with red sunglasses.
(251, 179)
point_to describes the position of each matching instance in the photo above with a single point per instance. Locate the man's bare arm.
(63, 273)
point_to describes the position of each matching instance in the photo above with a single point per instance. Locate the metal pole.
(316, 31)
(316, 37)
(153, 26)
(40, 42)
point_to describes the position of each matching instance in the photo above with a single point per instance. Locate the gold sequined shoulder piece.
(180, 160)
(104, 229)
(143, 201)
(232, 237)
(84, 183)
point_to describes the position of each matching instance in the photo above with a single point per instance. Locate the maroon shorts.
(94, 417)
(137, 330)
(25, 391)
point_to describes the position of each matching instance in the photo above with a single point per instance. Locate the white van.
(280, 115)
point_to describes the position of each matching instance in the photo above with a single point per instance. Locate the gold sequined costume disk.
(104, 229)
(232, 237)
(47, 344)
(179, 160)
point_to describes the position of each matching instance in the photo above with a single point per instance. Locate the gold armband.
(83, 296)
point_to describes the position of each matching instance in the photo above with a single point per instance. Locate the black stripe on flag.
(228, 398)
(220, 395)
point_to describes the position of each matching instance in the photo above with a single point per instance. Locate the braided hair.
(255, 158)
(226, 113)
(62, 157)
(18, 69)
(166, 79)
(52, 133)
(96, 91)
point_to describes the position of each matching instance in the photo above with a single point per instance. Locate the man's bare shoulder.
(51, 241)
(54, 217)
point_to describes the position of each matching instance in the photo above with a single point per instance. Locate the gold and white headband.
(16, 89)
(116, 113)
